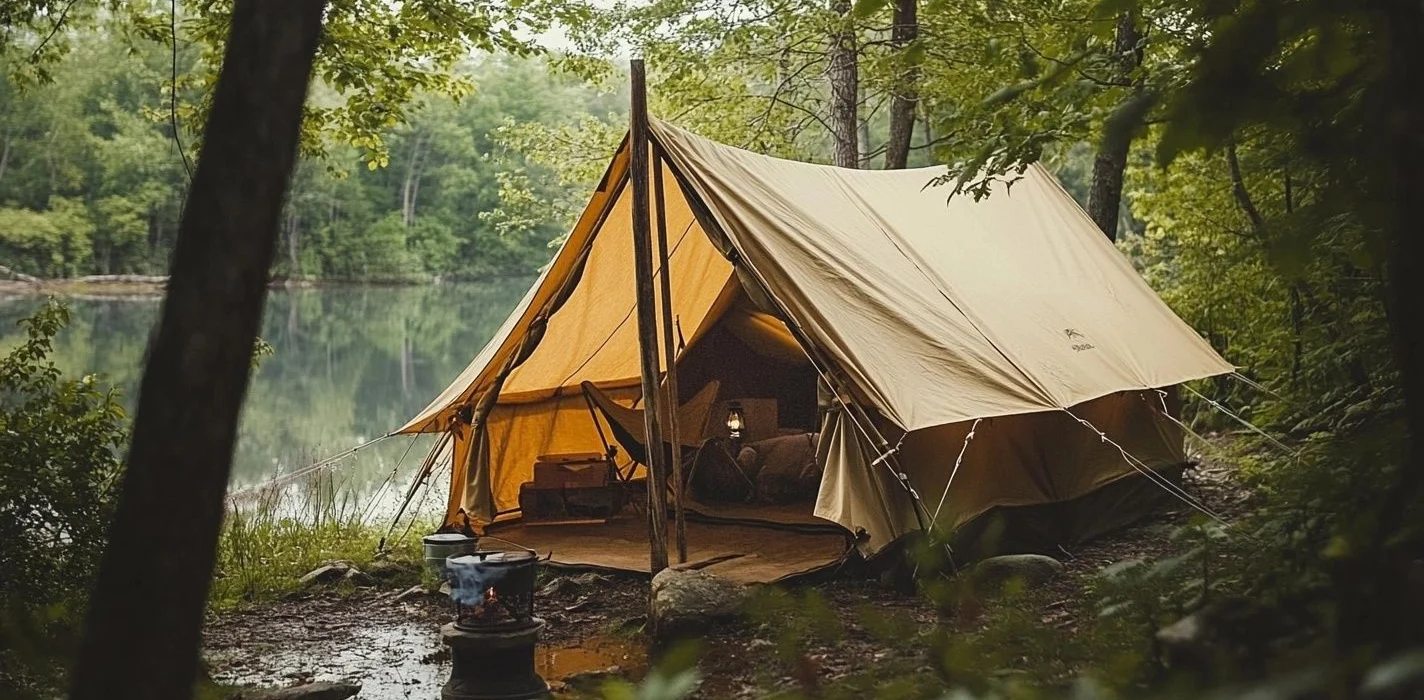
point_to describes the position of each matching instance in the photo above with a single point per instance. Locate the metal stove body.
(493, 636)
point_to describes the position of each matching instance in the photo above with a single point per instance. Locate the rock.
(589, 578)
(358, 577)
(326, 573)
(321, 690)
(691, 602)
(559, 586)
(1029, 569)
(388, 568)
(410, 593)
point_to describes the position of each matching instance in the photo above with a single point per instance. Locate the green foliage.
(91, 181)
(270, 540)
(54, 243)
(59, 443)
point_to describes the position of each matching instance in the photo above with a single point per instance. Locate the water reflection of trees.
(351, 363)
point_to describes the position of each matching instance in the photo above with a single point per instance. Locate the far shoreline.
(142, 286)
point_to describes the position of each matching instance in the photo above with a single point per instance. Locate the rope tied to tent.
(900, 476)
(1142, 468)
(390, 479)
(316, 466)
(422, 478)
(1243, 421)
(1254, 384)
(968, 437)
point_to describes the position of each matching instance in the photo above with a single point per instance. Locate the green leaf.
(864, 9)
(1008, 94)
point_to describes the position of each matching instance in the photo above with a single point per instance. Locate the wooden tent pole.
(647, 321)
(670, 362)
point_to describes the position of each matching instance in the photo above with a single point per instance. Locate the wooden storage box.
(572, 471)
(575, 504)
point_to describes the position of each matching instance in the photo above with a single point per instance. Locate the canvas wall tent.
(928, 314)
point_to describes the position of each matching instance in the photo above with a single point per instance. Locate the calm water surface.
(351, 364)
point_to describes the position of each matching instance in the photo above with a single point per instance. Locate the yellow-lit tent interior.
(926, 317)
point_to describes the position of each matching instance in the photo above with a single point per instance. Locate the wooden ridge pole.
(647, 322)
(670, 362)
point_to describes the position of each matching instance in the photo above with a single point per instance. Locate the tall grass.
(272, 538)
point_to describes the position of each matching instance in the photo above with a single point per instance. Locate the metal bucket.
(445, 544)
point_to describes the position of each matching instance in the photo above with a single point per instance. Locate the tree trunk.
(152, 229)
(1105, 193)
(5, 155)
(410, 189)
(863, 140)
(903, 105)
(49, 159)
(143, 630)
(1381, 604)
(845, 90)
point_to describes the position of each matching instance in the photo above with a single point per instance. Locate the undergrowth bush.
(59, 464)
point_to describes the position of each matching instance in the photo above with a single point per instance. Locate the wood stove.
(493, 636)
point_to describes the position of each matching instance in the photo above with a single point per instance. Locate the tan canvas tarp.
(944, 311)
(936, 312)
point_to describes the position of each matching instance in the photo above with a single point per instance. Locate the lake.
(351, 364)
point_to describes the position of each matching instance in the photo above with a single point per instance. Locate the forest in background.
(1257, 159)
(478, 178)
(92, 181)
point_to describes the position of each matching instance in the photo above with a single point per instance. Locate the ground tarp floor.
(760, 543)
(778, 546)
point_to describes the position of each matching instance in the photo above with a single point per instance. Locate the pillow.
(789, 471)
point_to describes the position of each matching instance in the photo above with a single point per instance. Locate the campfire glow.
(492, 588)
(489, 609)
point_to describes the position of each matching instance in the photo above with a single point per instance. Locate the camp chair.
(627, 422)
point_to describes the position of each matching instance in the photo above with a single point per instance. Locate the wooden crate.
(572, 471)
(569, 505)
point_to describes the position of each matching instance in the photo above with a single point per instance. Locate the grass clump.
(279, 535)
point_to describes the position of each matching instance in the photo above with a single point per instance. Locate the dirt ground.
(595, 624)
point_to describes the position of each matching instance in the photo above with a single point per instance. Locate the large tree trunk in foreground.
(1380, 598)
(902, 107)
(845, 90)
(1105, 193)
(144, 626)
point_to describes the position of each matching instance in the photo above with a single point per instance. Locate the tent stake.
(647, 321)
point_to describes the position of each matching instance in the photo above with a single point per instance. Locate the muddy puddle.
(396, 659)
